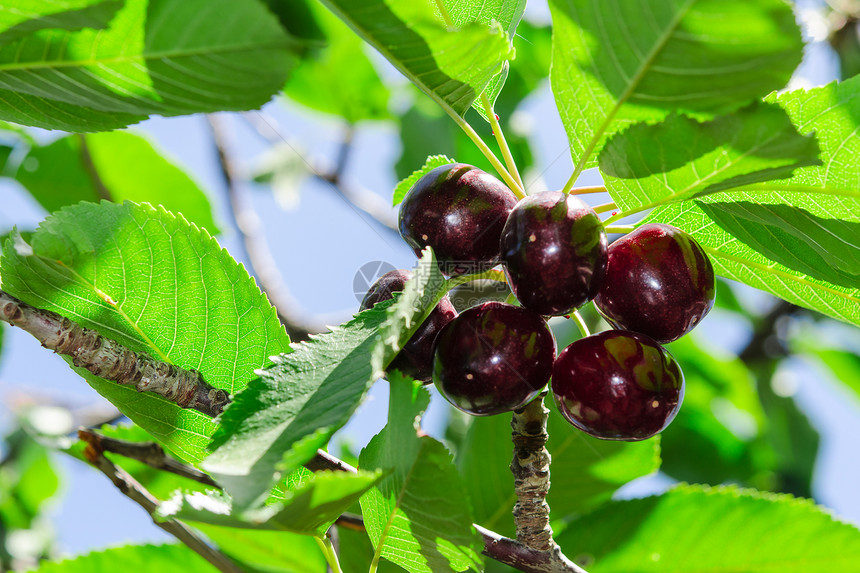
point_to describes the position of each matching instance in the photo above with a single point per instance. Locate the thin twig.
(262, 265)
(110, 360)
(137, 493)
(355, 195)
(149, 453)
(87, 159)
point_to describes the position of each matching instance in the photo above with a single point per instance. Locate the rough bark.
(530, 467)
(110, 360)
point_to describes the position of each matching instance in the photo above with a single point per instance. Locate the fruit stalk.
(530, 467)
(110, 360)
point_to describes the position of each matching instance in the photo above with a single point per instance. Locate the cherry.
(617, 385)
(553, 248)
(415, 359)
(460, 211)
(659, 282)
(493, 358)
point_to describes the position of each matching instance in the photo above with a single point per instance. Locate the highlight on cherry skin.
(659, 281)
(460, 211)
(415, 359)
(493, 358)
(618, 385)
(553, 249)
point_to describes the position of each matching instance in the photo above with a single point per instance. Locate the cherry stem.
(589, 189)
(620, 229)
(604, 207)
(530, 466)
(328, 551)
(580, 322)
(500, 139)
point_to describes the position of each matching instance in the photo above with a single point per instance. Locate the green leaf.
(228, 56)
(405, 185)
(122, 165)
(585, 471)
(21, 17)
(261, 551)
(419, 297)
(294, 408)
(696, 529)
(796, 238)
(156, 284)
(308, 507)
(161, 558)
(617, 64)
(340, 79)
(680, 158)
(452, 66)
(418, 516)
(508, 13)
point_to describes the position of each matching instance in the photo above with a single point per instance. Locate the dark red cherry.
(659, 281)
(553, 248)
(617, 385)
(415, 359)
(460, 211)
(493, 358)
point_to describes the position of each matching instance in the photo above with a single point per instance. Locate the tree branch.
(137, 493)
(110, 360)
(257, 253)
(356, 195)
(530, 467)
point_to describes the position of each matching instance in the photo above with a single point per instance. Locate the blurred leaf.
(27, 480)
(424, 131)
(339, 79)
(308, 507)
(843, 364)
(161, 558)
(122, 165)
(154, 283)
(585, 471)
(257, 550)
(790, 433)
(616, 65)
(298, 19)
(21, 17)
(418, 516)
(694, 529)
(228, 56)
(718, 434)
(452, 66)
(356, 553)
(651, 164)
(294, 408)
(430, 164)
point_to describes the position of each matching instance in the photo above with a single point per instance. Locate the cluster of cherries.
(653, 286)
